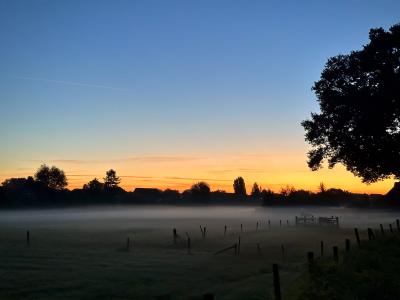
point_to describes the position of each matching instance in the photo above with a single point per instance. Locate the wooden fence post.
(277, 284)
(269, 224)
(371, 234)
(357, 237)
(347, 245)
(188, 246)
(241, 227)
(257, 226)
(28, 239)
(322, 248)
(382, 230)
(238, 252)
(204, 232)
(337, 221)
(175, 235)
(295, 220)
(225, 230)
(234, 246)
(280, 223)
(310, 259)
(208, 296)
(335, 253)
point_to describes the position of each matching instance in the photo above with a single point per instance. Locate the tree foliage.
(111, 180)
(255, 191)
(200, 190)
(359, 99)
(51, 177)
(94, 185)
(239, 187)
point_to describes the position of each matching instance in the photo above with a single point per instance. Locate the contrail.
(72, 83)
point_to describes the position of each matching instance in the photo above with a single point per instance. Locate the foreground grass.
(68, 263)
(82, 254)
(367, 273)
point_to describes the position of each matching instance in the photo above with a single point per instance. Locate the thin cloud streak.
(154, 177)
(157, 159)
(73, 83)
(197, 179)
(238, 170)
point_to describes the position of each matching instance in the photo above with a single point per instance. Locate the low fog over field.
(82, 253)
(162, 217)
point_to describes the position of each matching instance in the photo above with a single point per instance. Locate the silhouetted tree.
(359, 99)
(393, 196)
(322, 188)
(200, 190)
(51, 177)
(268, 197)
(239, 187)
(299, 197)
(111, 180)
(255, 191)
(287, 190)
(94, 186)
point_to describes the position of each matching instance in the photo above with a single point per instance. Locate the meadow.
(82, 253)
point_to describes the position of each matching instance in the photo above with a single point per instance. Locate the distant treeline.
(47, 188)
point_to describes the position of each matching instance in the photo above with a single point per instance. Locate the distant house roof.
(146, 191)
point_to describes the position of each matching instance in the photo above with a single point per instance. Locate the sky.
(169, 93)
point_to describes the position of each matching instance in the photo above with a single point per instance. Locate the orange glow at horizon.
(270, 171)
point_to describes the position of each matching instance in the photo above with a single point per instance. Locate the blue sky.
(83, 80)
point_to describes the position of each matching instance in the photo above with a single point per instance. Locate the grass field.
(81, 253)
(369, 272)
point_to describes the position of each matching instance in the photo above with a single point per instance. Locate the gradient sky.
(173, 92)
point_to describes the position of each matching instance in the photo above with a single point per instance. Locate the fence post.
(28, 239)
(277, 284)
(225, 230)
(322, 248)
(335, 253)
(295, 220)
(371, 234)
(287, 222)
(238, 252)
(347, 245)
(283, 250)
(188, 246)
(310, 259)
(175, 235)
(257, 226)
(280, 223)
(269, 224)
(337, 221)
(382, 231)
(208, 296)
(357, 237)
(204, 232)
(241, 227)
